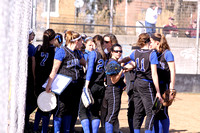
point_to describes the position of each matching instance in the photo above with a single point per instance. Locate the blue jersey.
(143, 59)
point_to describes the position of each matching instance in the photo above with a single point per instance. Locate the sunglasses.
(116, 51)
(106, 41)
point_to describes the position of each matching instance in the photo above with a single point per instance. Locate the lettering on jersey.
(161, 65)
(100, 66)
(73, 62)
(140, 63)
(45, 57)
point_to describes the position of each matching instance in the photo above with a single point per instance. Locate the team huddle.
(98, 70)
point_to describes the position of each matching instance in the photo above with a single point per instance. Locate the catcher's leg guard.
(45, 123)
(38, 117)
(86, 125)
(66, 123)
(165, 125)
(109, 127)
(57, 124)
(95, 125)
(136, 130)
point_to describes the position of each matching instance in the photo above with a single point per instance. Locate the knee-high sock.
(45, 123)
(156, 127)
(57, 124)
(86, 125)
(95, 125)
(67, 123)
(109, 127)
(136, 130)
(165, 125)
(130, 123)
(38, 117)
(148, 131)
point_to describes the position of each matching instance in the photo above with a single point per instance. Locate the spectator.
(170, 28)
(151, 18)
(192, 30)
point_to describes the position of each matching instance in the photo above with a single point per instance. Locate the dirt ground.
(184, 114)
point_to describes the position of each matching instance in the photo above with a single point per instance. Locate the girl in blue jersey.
(89, 46)
(166, 75)
(43, 61)
(31, 101)
(95, 82)
(67, 61)
(146, 85)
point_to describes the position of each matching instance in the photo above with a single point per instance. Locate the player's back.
(44, 62)
(98, 71)
(143, 66)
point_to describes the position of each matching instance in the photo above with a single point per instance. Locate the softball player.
(67, 61)
(89, 44)
(113, 91)
(146, 77)
(43, 59)
(166, 75)
(109, 40)
(31, 102)
(130, 77)
(95, 82)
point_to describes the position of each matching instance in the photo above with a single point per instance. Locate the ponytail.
(47, 37)
(163, 45)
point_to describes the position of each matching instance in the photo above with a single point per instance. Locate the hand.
(159, 97)
(48, 88)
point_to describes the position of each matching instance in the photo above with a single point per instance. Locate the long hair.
(143, 39)
(112, 37)
(47, 37)
(163, 45)
(113, 46)
(71, 37)
(98, 41)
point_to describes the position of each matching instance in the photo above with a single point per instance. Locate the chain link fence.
(126, 18)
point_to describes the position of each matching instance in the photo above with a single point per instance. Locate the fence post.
(83, 28)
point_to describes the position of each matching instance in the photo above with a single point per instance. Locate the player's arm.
(169, 57)
(91, 61)
(154, 62)
(116, 78)
(56, 66)
(129, 66)
(172, 74)
(128, 58)
(58, 58)
(125, 59)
